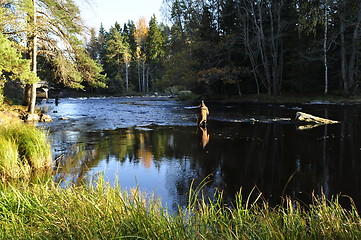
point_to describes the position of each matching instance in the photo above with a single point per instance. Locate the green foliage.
(12, 62)
(12, 66)
(156, 42)
(58, 28)
(23, 149)
(264, 46)
(99, 211)
(180, 71)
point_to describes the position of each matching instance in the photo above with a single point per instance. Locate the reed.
(98, 211)
(24, 149)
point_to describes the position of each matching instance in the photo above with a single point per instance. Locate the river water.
(154, 143)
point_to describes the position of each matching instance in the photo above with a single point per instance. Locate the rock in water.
(31, 117)
(45, 118)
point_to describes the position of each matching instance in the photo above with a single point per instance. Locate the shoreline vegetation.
(25, 150)
(98, 211)
(247, 98)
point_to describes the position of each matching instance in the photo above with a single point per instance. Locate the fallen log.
(305, 117)
(308, 126)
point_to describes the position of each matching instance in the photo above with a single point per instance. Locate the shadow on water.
(242, 147)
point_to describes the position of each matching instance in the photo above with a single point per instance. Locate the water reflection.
(277, 158)
(158, 146)
(205, 136)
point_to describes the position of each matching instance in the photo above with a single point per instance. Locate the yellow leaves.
(140, 36)
(141, 31)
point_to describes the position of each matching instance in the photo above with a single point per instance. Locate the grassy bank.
(103, 212)
(24, 150)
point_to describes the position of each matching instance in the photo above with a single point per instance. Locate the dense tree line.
(231, 47)
(211, 47)
(269, 46)
(132, 56)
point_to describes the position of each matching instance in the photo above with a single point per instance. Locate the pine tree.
(156, 49)
(13, 65)
(117, 55)
(52, 30)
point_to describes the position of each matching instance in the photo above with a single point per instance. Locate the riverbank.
(288, 99)
(104, 212)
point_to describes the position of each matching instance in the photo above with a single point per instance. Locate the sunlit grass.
(99, 211)
(23, 150)
(9, 159)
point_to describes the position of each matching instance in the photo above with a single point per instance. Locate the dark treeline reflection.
(275, 157)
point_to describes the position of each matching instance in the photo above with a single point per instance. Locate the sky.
(95, 12)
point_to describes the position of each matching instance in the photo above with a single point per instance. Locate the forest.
(235, 47)
(207, 47)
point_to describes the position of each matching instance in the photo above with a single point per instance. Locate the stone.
(31, 117)
(45, 118)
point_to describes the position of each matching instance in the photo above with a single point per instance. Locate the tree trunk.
(147, 78)
(127, 77)
(139, 76)
(343, 54)
(239, 88)
(31, 106)
(27, 95)
(352, 64)
(248, 48)
(143, 77)
(325, 48)
(276, 51)
(263, 47)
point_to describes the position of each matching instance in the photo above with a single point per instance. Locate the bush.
(24, 149)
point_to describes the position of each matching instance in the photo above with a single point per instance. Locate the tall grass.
(103, 212)
(24, 149)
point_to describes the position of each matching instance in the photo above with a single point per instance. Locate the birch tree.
(325, 62)
(262, 38)
(140, 36)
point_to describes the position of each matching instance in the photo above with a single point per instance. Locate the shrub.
(24, 149)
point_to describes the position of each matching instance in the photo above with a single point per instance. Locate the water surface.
(155, 144)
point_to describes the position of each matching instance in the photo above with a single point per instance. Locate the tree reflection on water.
(276, 157)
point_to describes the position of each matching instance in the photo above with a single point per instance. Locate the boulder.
(31, 117)
(45, 118)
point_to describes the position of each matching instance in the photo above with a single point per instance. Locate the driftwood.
(304, 117)
(308, 126)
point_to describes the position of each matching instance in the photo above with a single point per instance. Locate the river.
(154, 143)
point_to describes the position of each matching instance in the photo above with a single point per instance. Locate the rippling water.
(155, 144)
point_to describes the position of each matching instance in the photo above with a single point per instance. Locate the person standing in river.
(203, 114)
